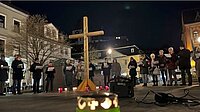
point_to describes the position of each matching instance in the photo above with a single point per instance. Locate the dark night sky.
(149, 25)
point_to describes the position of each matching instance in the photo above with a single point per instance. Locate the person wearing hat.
(17, 66)
(3, 74)
(36, 68)
(184, 64)
(68, 73)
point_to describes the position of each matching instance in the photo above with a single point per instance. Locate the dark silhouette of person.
(17, 66)
(37, 69)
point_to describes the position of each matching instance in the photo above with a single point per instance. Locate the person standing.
(4, 68)
(50, 71)
(171, 66)
(116, 68)
(143, 64)
(91, 71)
(106, 67)
(154, 70)
(80, 72)
(196, 58)
(36, 68)
(132, 70)
(68, 73)
(17, 66)
(162, 65)
(184, 65)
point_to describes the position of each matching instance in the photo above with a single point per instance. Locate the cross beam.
(86, 82)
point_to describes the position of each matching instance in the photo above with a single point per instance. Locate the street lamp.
(109, 51)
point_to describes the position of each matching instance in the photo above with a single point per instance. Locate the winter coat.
(143, 64)
(36, 71)
(171, 62)
(132, 68)
(184, 59)
(50, 73)
(3, 70)
(106, 68)
(68, 72)
(91, 69)
(116, 69)
(17, 66)
(162, 62)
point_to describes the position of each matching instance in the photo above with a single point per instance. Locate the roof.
(8, 3)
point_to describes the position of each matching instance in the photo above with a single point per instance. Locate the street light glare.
(109, 51)
(198, 39)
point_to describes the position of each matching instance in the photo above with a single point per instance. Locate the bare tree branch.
(33, 41)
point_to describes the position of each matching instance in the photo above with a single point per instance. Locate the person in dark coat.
(184, 65)
(17, 66)
(116, 68)
(132, 70)
(106, 67)
(37, 69)
(143, 64)
(171, 66)
(50, 71)
(4, 68)
(68, 73)
(162, 65)
(91, 71)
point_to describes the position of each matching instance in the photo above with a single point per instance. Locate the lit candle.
(60, 90)
(74, 88)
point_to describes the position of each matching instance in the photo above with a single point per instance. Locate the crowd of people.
(164, 64)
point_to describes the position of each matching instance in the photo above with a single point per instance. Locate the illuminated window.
(132, 50)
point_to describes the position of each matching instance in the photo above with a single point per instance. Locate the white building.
(10, 23)
(52, 32)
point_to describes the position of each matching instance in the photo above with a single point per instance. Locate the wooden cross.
(86, 82)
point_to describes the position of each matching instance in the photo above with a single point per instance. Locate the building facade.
(11, 20)
(191, 35)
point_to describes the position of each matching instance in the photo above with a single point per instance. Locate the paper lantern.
(98, 102)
